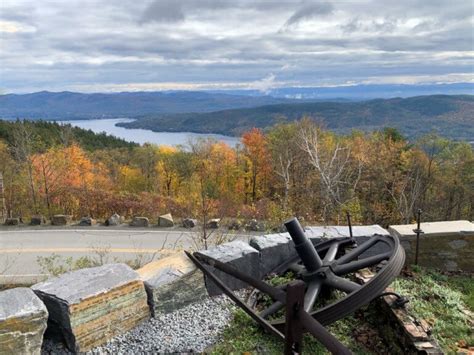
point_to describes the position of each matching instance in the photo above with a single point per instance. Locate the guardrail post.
(418, 231)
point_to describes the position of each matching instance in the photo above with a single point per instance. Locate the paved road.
(20, 248)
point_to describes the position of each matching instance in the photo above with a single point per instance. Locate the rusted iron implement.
(316, 268)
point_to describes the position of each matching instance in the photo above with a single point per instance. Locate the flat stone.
(140, 222)
(274, 250)
(255, 226)
(234, 225)
(361, 234)
(12, 221)
(87, 221)
(189, 223)
(213, 223)
(320, 233)
(23, 321)
(445, 228)
(415, 332)
(61, 220)
(113, 220)
(36, 220)
(90, 306)
(172, 283)
(166, 220)
(238, 254)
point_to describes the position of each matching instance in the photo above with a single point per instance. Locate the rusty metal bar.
(293, 327)
(305, 249)
(418, 231)
(267, 326)
(323, 336)
(273, 292)
(349, 224)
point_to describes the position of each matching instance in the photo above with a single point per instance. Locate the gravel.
(193, 328)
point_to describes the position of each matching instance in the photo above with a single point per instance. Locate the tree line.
(291, 169)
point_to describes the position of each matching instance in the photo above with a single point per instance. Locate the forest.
(293, 169)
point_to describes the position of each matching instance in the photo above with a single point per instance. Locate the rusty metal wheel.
(327, 265)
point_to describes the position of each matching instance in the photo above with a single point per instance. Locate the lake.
(145, 136)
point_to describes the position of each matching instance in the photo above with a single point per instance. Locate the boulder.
(189, 223)
(61, 220)
(172, 283)
(238, 254)
(140, 222)
(279, 229)
(166, 220)
(114, 220)
(255, 226)
(274, 250)
(90, 306)
(213, 223)
(12, 221)
(234, 225)
(87, 221)
(37, 221)
(23, 321)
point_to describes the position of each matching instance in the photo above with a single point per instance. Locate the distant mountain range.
(451, 116)
(70, 105)
(361, 92)
(233, 112)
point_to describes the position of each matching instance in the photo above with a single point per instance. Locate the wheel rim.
(334, 271)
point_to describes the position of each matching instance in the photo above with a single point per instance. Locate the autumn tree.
(146, 158)
(257, 160)
(331, 158)
(23, 148)
(284, 150)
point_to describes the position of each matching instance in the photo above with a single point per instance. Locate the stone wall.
(90, 306)
(447, 246)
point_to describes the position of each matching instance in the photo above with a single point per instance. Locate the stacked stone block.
(23, 320)
(90, 306)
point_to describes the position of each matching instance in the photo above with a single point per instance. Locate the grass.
(443, 301)
(357, 332)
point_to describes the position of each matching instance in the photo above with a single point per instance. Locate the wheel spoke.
(311, 295)
(295, 267)
(331, 253)
(360, 264)
(273, 308)
(353, 254)
(341, 283)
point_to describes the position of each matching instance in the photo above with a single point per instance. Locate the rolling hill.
(451, 116)
(70, 105)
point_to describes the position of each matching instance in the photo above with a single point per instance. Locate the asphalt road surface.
(20, 247)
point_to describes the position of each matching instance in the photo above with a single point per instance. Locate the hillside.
(71, 105)
(49, 134)
(451, 116)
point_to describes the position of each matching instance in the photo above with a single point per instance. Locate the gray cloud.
(94, 44)
(308, 11)
(163, 11)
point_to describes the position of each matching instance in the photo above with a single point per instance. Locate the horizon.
(271, 92)
(190, 45)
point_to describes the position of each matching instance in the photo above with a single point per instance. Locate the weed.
(443, 302)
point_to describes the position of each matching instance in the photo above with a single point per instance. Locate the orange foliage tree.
(257, 161)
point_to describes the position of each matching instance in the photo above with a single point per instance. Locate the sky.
(140, 45)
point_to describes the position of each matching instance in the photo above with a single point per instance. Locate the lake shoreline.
(141, 136)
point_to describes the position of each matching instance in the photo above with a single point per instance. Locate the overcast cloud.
(100, 45)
